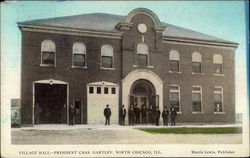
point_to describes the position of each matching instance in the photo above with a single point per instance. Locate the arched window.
(196, 62)
(218, 64)
(142, 52)
(79, 55)
(48, 49)
(107, 56)
(174, 61)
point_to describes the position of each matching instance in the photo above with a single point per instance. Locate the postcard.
(124, 79)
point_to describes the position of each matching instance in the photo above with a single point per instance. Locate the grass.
(184, 130)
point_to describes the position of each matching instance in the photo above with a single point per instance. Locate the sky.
(223, 19)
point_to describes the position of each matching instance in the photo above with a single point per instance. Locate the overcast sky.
(223, 19)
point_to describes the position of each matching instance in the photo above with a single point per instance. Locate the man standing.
(107, 114)
(151, 114)
(137, 113)
(131, 114)
(165, 114)
(38, 112)
(173, 114)
(71, 114)
(123, 114)
(144, 114)
(157, 116)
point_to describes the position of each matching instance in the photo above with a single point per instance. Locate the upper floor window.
(175, 96)
(174, 61)
(107, 56)
(142, 52)
(196, 98)
(79, 54)
(218, 64)
(218, 99)
(48, 49)
(196, 62)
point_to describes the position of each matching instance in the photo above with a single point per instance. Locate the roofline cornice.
(199, 42)
(70, 31)
(117, 35)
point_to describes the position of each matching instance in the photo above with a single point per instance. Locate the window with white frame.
(174, 94)
(79, 54)
(218, 64)
(218, 99)
(48, 51)
(142, 52)
(196, 98)
(174, 61)
(196, 62)
(107, 56)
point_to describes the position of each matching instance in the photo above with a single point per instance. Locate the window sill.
(219, 112)
(197, 112)
(47, 65)
(149, 66)
(105, 68)
(219, 74)
(195, 73)
(79, 67)
(179, 112)
(175, 72)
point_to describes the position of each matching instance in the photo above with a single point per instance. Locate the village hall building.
(92, 60)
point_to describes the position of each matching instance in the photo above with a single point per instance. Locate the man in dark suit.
(38, 112)
(144, 114)
(107, 114)
(123, 115)
(131, 114)
(71, 114)
(151, 114)
(165, 114)
(137, 114)
(157, 116)
(173, 114)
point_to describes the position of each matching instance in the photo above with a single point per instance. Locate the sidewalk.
(117, 127)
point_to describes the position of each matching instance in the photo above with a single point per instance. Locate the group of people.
(150, 115)
(136, 115)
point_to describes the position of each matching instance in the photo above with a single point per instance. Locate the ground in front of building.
(115, 134)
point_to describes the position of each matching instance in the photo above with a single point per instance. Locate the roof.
(108, 22)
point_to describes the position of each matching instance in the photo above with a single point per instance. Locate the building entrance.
(52, 100)
(142, 97)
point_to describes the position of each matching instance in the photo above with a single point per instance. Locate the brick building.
(92, 60)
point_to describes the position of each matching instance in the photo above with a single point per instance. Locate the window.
(99, 90)
(175, 97)
(196, 98)
(196, 62)
(91, 90)
(113, 91)
(79, 55)
(107, 56)
(218, 64)
(142, 52)
(48, 49)
(106, 90)
(218, 99)
(174, 61)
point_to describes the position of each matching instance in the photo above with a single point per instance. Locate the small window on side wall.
(107, 56)
(79, 55)
(174, 61)
(48, 49)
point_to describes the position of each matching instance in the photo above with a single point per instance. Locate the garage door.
(99, 95)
